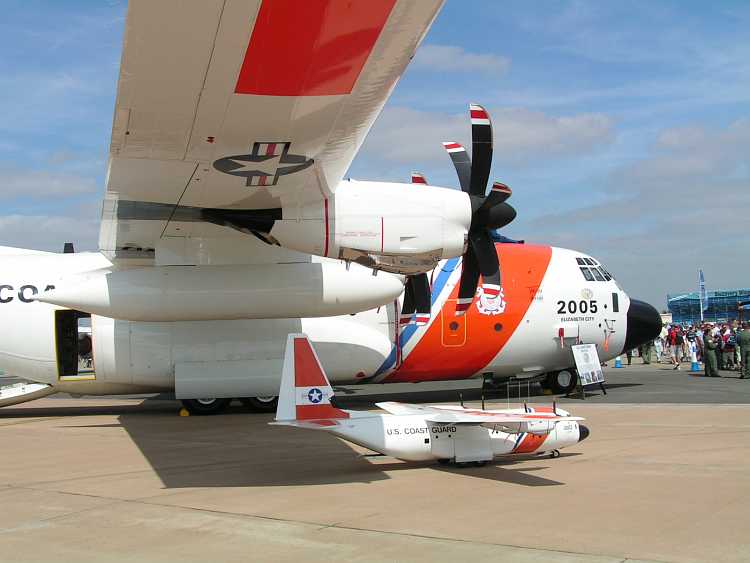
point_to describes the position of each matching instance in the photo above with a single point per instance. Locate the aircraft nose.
(644, 324)
(583, 432)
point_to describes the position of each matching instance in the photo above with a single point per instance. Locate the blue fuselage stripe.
(408, 332)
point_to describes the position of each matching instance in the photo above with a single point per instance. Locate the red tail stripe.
(312, 412)
(307, 372)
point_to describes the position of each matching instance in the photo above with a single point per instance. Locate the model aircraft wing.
(402, 408)
(446, 417)
(459, 415)
(244, 105)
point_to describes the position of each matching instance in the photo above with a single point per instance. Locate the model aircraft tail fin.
(305, 392)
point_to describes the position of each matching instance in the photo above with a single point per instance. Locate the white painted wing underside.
(179, 111)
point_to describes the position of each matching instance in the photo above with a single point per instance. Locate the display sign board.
(588, 364)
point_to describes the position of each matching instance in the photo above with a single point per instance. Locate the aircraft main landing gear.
(563, 381)
(261, 404)
(206, 406)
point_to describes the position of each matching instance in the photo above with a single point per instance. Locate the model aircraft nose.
(583, 432)
(644, 324)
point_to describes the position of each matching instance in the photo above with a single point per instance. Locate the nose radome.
(583, 432)
(644, 324)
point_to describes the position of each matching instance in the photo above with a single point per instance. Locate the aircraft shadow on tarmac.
(242, 450)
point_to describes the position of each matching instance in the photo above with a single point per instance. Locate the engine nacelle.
(194, 293)
(537, 427)
(399, 228)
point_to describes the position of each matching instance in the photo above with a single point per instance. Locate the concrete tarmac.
(112, 479)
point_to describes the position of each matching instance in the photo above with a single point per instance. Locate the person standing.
(737, 329)
(711, 363)
(727, 356)
(744, 343)
(646, 352)
(676, 343)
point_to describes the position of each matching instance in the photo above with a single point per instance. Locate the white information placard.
(588, 364)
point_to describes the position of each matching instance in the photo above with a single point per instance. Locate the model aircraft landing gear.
(563, 381)
(554, 454)
(206, 406)
(463, 464)
(261, 404)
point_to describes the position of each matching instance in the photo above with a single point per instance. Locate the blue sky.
(623, 128)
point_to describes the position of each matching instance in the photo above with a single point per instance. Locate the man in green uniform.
(743, 340)
(710, 361)
(646, 352)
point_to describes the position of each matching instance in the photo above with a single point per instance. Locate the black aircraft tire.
(563, 381)
(261, 404)
(202, 407)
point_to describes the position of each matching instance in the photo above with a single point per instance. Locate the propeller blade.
(469, 280)
(408, 308)
(422, 299)
(501, 189)
(462, 162)
(498, 216)
(489, 265)
(418, 178)
(481, 149)
(498, 194)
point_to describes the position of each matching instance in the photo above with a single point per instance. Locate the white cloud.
(408, 135)
(49, 232)
(662, 217)
(450, 58)
(37, 184)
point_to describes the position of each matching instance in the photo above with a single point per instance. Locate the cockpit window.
(593, 271)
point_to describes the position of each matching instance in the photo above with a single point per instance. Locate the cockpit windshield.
(593, 270)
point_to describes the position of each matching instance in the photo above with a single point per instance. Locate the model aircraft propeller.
(489, 212)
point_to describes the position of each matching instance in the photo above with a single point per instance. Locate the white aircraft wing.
(244, 105)
(469, 416)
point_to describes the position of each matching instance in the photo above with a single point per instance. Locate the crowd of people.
(723, 346)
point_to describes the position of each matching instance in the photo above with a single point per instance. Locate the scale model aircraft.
(448, 434)
(226, 225)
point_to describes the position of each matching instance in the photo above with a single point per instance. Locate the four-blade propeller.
(489, 212)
